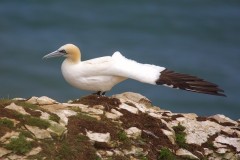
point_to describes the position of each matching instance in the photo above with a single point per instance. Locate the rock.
(197, 131)
(131, 96)
(38, 133)
(17, 108)
(133, 132)
(118, 152)
(136, 151)
(170, 135)
(116, 112)
(235, 142)
(32, 100)
(34, 151)
(64, 114)
(223, 119)
(44, 115)
(58, 129)
(41, 100)
(4, 151)
(191, 116)
(155, 115)
(129, 108)
(215, 137)
(92, 111)
(112, 116)
(9, 135)
(98, 137)
(45, 101)
(185, 154)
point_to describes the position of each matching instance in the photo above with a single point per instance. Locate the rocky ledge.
(121, 127)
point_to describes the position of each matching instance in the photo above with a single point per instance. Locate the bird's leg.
(97, 93)
(100, 93)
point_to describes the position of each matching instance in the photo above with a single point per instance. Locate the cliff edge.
(121, 127)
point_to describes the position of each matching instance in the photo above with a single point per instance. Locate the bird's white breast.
(84, 76)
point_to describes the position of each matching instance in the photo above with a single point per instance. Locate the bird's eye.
(62, 51)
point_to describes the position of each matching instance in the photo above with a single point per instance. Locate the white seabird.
(101, 74)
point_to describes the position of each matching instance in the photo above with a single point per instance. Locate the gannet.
(101, 74)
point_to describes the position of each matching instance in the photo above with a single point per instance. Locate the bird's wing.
(118, 65)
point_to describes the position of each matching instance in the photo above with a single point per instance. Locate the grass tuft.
(180, 136)
(6, 123)
(19, 145)
(166, 154)
(34, 121)
(122, 136)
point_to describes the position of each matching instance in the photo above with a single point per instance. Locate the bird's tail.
(187, 82)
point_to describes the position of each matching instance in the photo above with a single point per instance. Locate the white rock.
(45, 100)
(99, 107)
(112, 116)
(133, 132)
(118, 152)
(17, 108)
(75, 105)
(39, 133)
(98, 137)
(185, 154)
(109, 153)
(92, 111)
(223, 119)
(170, 135)
(192, 116)
(54, 107)
(128, 108)
(15, 157)
(57, 128)
(64, 114)
(141, 107)
(155, 115)
(33, 100)
(222, 150)
(116, 112)
(4, 151)
(135, 97)
(235, 142)
(197, 131)
(44, 115)
(207, 151)
(136, 151)
(34, 151)
(9, 135)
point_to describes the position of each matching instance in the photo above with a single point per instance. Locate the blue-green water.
(195, 37)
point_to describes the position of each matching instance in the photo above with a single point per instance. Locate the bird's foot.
(100, 93)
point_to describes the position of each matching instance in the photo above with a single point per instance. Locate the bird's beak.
(54, 54)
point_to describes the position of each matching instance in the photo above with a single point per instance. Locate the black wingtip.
(189, 83)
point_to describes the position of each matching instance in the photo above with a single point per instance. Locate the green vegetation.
(166, 154)
(122, 136)
(180, 136)
(34, 121)
(81, 138)
(27, 105)
(4, 102)
(19, 145)
(54, 117)
(86, 117)
(6, 123)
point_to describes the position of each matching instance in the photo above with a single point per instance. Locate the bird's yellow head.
(70, 51)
